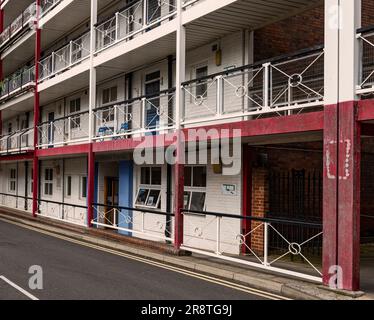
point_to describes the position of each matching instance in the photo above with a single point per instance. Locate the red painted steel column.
(247, 194)
(330, 191)
(349, 196)
(36, 112)
(179, 192)
(90, 185)
(1, 65)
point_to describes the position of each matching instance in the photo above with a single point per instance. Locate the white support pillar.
(342, 19)
(180, 66)
(92, 89)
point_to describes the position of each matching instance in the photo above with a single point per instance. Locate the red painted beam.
(90, 185)
(63, 151)
(18, 157)
(349, 196)
(306, 122)
(330, 191)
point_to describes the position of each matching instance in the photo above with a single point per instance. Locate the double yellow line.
(192, 274)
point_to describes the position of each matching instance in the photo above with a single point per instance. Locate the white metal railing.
(63, 131)
(268, 244)
(25, 19)
(14, 201)
(135, 19)
(68, 56)
(64, 212)
(47, 5)
(155, 225)
(18, 141)
(17, 82)
(139, 116)
(366, 75)
(274, 87)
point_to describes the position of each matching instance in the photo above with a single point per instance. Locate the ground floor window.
(149, 190)
(12, 180)
(48, 182)
(68, 186)
(83, 187)
(195, 183)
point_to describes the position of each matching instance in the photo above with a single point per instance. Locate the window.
(108, 115)
(109, 95)
(75, 107)
(149, 192)
(109, 34)
(195, 188)
(201, 85)
(68, 186)
(83, 187)
(12, 180)
(48, 182)
(76, 53)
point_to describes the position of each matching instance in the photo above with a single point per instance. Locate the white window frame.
(191, 189)
(148, 188)
(81, 195)
(204, 64)
(72, 115)
(12, 180)
(67, 195)
(48, 182)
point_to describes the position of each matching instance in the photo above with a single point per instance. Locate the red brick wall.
(299, 32)
(260, 205)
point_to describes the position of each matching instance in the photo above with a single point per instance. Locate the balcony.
(65, 58)
(133, 20)
(24, 21)
(279, 87)
(17, 83)
(147, 115)
(73, 129)
(366, 71)
(17, 142)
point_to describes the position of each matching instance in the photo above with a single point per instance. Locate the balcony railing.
(136, 18)
(24, 20)
(139, 116)
(284, 246)
(18, 82)
(136, 222)
(278, 86)
(366, 76)
(14, 201)
(63, 131)
(65, 58)
(47, 5)
(17, 142)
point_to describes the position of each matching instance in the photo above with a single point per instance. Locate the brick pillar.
(260, 206)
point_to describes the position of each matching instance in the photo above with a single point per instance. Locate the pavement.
(97, 267)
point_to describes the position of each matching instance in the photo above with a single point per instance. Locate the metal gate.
(296, 195)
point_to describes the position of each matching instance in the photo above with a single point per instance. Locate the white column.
(180, 66)
(332, 21)
(342, 19)
(92, 84)
(349, 49)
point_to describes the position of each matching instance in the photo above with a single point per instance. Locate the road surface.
(74, 271)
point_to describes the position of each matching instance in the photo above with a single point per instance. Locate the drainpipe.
(36, 174)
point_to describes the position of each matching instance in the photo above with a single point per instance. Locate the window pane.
(145, 175)
(186, 201)
(68, 192)
(187, 176)
(142, 197)
(84, 187)
(198, 201)
(156, 176)
(113, 94)
(199, 177)
(153, 198)
(202, 86)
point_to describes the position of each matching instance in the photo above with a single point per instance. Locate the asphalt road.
(73, 271)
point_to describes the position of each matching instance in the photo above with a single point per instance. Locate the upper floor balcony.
(280, 86)
(17, 142)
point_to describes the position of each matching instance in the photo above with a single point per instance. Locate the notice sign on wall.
(229, 189)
